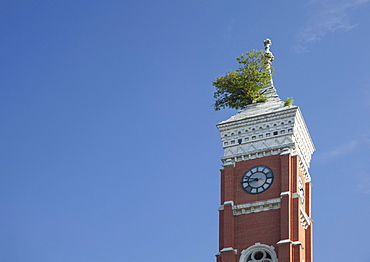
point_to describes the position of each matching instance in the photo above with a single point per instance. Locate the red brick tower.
(265, 212)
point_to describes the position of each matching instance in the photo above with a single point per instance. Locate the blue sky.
(109, 150)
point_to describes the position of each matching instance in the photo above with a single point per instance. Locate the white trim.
(257, 206)
(258, 247)
(229, 203)
(267, 131)
(286, 193)
(284, 241)
(228, 162)
(226, 203)
(286, 151)
(305, 220)
(296, 195)
(228, 249)
(288, 241)
(297, 243)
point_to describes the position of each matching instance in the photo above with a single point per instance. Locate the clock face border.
(257, 179)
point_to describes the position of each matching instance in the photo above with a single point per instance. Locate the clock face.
(257, 179)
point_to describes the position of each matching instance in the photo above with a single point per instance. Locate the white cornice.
(271, 131)
(257, 206)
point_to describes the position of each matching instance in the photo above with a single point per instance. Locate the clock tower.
(265, 211)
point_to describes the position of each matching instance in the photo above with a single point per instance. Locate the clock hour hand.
(252, 179)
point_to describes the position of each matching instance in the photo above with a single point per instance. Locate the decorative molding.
(229, 162)
(284, 241)
(229, 203)
(226, 203)
(296, 195)
(266, 130)
(288, 241)
(257, 206)
(227, 249)
(247, 255)
(287, 151)
(305, 220)
(297, 243)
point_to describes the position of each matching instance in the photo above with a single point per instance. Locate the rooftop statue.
(267, 43)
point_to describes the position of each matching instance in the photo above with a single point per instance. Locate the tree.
(242, 87)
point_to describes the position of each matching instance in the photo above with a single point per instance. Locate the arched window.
(258, 253)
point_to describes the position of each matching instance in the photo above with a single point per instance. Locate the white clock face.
(257, 179)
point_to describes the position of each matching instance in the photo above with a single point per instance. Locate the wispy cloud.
(345, 148)
(343, 152)
(340, 150)
(326, 16)
(363, 183)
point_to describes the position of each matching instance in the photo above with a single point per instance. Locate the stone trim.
(229, 203)
(258, 206)
(258, 247)
(284, 241)
(286, 193)
(227, 249)
(277, 131)
(296, 195)
(305, 220)
(226, 203)
(290, 242)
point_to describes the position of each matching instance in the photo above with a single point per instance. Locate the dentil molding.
(257, 206)
(265, 132)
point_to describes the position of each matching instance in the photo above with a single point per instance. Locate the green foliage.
(243, 86)
(289, 101)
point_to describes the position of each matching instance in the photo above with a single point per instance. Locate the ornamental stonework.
(278, 131)
(257, 206)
